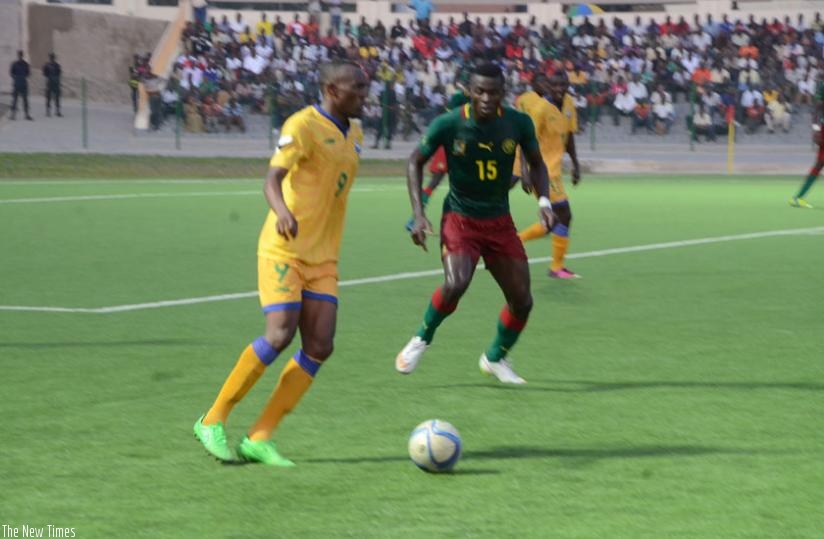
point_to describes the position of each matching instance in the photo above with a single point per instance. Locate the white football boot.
(411, 355)
(502, 370)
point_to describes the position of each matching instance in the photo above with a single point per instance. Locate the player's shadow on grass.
(631, 452)
(590, 386)
(391, 459)
(585, 454)
(95, 344)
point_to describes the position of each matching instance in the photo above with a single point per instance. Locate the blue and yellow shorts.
(557, 193)
(283, 284)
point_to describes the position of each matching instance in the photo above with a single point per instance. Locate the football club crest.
(459, 147)
(508, 146)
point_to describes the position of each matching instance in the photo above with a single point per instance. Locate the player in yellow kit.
(553, 112)
(309, 179)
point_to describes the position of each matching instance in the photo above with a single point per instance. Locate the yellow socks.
(560, 244)
(532, 232)
(250, 366)
(294, 381)
(560, 241)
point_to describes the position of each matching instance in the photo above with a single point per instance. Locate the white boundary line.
(126, 196)
(417, 274)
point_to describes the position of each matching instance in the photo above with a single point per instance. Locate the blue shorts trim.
(318, 296)
(291, 306)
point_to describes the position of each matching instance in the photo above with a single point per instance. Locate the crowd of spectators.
(755, 72)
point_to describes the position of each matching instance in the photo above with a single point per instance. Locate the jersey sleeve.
(457, 99)
(436, 135)
(293, 145)
(573, 115)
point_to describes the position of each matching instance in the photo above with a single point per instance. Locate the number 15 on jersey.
(487, 170)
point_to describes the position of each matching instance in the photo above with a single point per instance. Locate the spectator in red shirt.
(668, 27)
(682, 28)
(330, 40)
(311, 30)
(701, 75)
(514, 49)
(519, 29)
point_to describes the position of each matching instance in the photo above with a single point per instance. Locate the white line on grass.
(417, 274)
(159, 181)
(86, 198)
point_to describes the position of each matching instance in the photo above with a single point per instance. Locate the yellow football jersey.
(322, 158)
(552, 126)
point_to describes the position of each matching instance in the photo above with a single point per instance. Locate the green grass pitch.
(673, 392)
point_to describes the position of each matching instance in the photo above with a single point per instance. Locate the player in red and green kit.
(480, 139)
(818, 137)
(438, 167)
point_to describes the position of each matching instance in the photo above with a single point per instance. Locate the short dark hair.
(489, 70)
(330, 71)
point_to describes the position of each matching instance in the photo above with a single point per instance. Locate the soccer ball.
(435, 446)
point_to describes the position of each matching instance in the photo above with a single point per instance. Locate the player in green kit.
(818, 137)
(480, 139)
(438, 167)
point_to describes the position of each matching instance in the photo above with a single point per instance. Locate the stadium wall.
(92, 45)
(10, 39)
(545, 11)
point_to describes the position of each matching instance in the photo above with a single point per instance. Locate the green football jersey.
(819, 95)
(480, 157)
(457, 99)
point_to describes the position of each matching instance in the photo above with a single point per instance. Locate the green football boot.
(263, 451)
(796, 202)
(213, 438)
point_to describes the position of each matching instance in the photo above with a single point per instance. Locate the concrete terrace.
(110, 131)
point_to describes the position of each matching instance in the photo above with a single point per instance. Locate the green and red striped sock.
(436, 313)
(509, 329)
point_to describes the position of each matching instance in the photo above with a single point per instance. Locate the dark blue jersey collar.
(343, 128)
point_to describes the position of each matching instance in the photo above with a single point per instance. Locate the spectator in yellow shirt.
(263, 26)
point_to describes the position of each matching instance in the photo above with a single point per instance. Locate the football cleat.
(796, 202)
(213, 438)
(263, 451)
(411, 355)
(502, 370)
(563, 273)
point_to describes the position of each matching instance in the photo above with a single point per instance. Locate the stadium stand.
(644, 77)
(639, 73)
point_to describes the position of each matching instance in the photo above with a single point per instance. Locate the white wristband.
(816, 127)
(544, 202)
